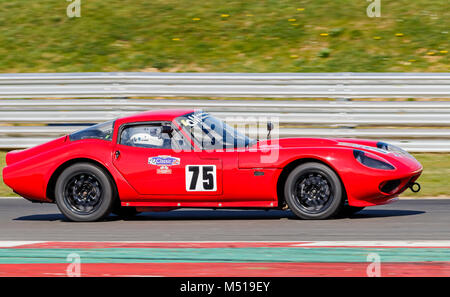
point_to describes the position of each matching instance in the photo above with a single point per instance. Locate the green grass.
(224, 36)
(4, 190)
(435, 179)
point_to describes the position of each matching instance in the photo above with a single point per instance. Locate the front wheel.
(84, 193)
(313, 191)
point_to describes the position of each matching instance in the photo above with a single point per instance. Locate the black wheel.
(125, 212)
(348, 210)
(84, 193)
(313, 191)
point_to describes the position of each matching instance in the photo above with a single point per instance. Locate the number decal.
(201, 178)
(194, 177)
(209, 174)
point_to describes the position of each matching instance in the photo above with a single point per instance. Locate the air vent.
(390, 186)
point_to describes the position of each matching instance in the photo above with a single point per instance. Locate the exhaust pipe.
(415, 187)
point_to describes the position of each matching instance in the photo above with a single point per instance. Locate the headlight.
(371, 160)
(394, 149)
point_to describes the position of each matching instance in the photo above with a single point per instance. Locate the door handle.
(117, 154)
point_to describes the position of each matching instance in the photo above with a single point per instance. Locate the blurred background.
(231, 36)
(225, 36)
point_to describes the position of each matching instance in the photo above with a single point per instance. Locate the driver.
(147, 137)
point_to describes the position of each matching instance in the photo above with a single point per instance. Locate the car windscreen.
(212, 133)
(103, 131)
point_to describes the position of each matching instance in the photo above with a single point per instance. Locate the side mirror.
(269, 128)
(166, 129)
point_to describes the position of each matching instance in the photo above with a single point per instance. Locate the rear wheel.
(313, 191)
(84, 193)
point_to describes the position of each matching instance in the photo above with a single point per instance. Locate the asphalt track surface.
(425, 219)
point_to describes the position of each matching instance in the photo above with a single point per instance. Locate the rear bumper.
(34, 199)
(25, 183)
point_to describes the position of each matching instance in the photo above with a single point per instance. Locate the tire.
(348, 210)
(313, 191)
(84, 193)
(125, 212)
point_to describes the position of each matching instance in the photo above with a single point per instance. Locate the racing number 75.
(201, 178)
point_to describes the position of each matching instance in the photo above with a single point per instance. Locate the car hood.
(377, 147)
(319, 142)
(385, 151)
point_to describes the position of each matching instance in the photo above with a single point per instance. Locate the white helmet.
(146, 139)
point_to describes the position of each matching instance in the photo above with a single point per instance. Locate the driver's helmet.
(147, 137)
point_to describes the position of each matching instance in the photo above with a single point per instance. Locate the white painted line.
(425, 198)
(362, 243)
(6, 244)
(379, 243)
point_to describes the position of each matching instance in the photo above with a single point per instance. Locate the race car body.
(169, 159)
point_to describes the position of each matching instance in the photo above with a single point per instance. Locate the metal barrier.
(317, 85)
(418, 126)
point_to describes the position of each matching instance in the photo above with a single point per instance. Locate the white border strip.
(368, 243)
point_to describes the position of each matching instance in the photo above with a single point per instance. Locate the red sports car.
(169, 159)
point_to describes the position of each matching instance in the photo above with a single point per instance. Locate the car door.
(157, 163)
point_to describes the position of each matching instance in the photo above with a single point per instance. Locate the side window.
(151, 136)
(100, 131)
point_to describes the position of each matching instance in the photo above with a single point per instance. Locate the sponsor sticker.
(164, 163)
(194, 119)
(164, 170)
